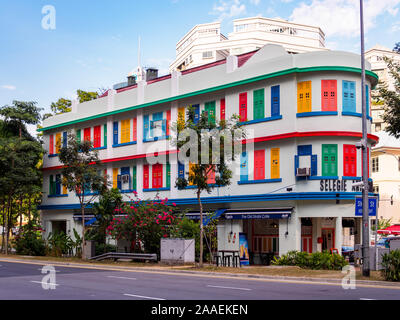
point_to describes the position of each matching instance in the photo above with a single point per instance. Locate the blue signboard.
(372, 207)
(244, 250)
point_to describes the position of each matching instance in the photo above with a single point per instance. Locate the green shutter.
(134, 185)
(329, 159)
(105, 135)
(52, 190)
(78, 135)
(258, 104)
(210, 109)
(168, 175)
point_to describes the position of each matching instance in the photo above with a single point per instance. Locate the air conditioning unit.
(303, 172)
(125, 178)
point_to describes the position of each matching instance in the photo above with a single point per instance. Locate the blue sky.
(95, 43)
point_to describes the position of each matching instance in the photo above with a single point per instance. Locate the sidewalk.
(262, 273)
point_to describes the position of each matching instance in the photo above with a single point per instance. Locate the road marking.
(366, 299)
(42, 269)
(245, 289)
(46, 283)
(126, 278)
(143, 297)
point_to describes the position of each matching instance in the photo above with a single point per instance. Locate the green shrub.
(391, 265)
(29, 241)
(315, 261)
(104, 248)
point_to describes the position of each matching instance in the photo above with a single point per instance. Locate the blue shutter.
(305, 150)
(58, 184)
(164, 128)
(367, 98)
(146, 125)
(126, 171)
(157, 116)
(275, 101)
(296, 164)
(65, 139)
(244, 172)
(314, 165)
(349, 96)
(181, 170)
(196, 113)
(115, 133)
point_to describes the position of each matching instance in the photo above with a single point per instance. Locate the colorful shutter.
(196, 113)
(168, 122)
(181, 119)
(181, 170)
(134, 134)
(146, 176)
(244, 169)
(329, 95)
(258, 104)
(51, 145)
(58, 143)
(65, 139)
(168, 178)
(349, 160)
(115, 178)
(191, 166)
(314, 165)
(115, 133)
(304, 97)
(367, 99)
(146, 127)
(275, 163)
(275, 101)
(259, 164)
(211, 176)
(134, 178)
(349, 96)
(125, 130)
(329, 160)
(126, 171)
(97, 137)
(86, 134)
(243, 106)
(105, 135)
(64, 187)
(157, 176)
(51, 186)
(79, 135)
(58, 184)
(222, 109)
(210, 110)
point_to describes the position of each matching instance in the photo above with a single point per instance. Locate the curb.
(332, 281)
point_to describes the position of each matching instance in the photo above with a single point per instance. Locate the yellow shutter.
(125, 130)
(181, 119)
(115, 178)
(304, 96)
(307, 106)
(300, 97)
(58, 142)
(275, 163)
(64, 190)
(191, 166)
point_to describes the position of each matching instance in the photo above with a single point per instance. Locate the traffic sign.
(372, 202)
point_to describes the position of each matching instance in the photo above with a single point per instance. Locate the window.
(258, 100)
(275, 101)
(243, 106)
(210, 111)
(86, 134)
(211, 175)
(65, 139)
(115, 178)
(79, 135)
(259, 164)
(146, 176)
(125, 130)
(181, 170)
(305, 156)
(157, 176)
(304, 96)
(105, 135)
(275, 163)
(349, 96)
(349, 160)
(244, 170)
(329, 160)
(58, 143)
(207, 54)
(222, 109)
(376, 189)
(97, 137)
(51, 145)
(329, 95)
(375, 164)
(168, 177)
(181, 119)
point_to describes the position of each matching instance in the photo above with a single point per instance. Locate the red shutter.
(259, 164)
(329, 95)
(134, 129)
(97, 137)
(243, 106)
(222, 116)
(86, 134)
(211, 177)
(51, 150)
(146, 176)
(157, 176)
(168, 121)
(349, 160)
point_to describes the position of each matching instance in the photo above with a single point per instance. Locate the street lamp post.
(365, 189)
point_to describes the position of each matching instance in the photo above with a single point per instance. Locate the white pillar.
(139, 177)
(139, 130)
(339, 234)
(110, 135)
(289, 234)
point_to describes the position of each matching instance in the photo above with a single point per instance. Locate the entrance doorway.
(58, 227)
(306, 244)
(328, 239)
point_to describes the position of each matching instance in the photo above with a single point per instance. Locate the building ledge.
(124, 144)
(156, 189)
(57, 196)
(316, 114)
(261, 120)
(354, 114)
(259, 181)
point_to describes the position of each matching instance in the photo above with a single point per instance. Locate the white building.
(385, 167)
(205, 43)
(292, 188)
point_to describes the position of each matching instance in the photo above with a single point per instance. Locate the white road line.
(46, 283)
(245, 289)
(143, 297)
(366, 299)
(42, 269)
(126, 278)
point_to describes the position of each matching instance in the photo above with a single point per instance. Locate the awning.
(267, 213)
(207, 217)
(90, 222)
(391, 230)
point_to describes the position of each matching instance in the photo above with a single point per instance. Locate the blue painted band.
(127, 191)
(213, 185)
(99, 148)
(259, 181)
(124, 144)
(323, 178)
(156, 189)
(261, 120)
(57, 196)
(53, 155)
(354, 114)
(316, 114)
(156, 139)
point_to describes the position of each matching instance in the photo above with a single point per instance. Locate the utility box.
(372, 257)
(177, 251)
(89, 250)
(395, 244)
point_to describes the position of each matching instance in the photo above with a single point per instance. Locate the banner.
(244, 250)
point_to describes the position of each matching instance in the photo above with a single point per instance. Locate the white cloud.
(8, 87)
(341, 17)
(229, 8)
(255, 2)
(395, 27)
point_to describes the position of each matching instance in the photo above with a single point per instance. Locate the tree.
(391, 100)
(211, 147)
(397, 47)
(81, 173)
(61, 106)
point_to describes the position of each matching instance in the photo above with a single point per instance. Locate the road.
(23, 281)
